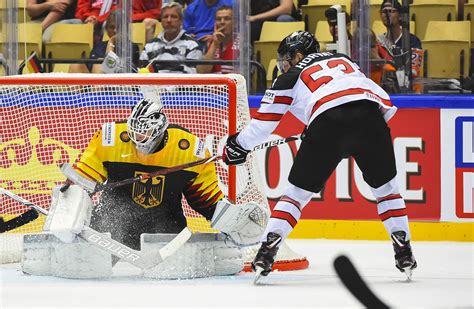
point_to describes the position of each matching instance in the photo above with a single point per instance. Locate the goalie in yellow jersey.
(146, 142)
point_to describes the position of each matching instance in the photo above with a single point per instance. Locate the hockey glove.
(233, 153)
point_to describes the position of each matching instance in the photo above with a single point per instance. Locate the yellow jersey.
(111, 156)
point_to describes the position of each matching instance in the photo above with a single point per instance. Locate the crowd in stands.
(204, 30)
(174, 43)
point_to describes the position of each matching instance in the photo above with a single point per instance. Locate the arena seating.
(374, 6)
(469, 15)
(323, 34)
(70, 41)
(447, 45)
(271, 36)
(21, 5)
(314, 11)
(29, 39)
(424, 11)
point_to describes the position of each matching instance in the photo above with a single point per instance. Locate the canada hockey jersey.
(317, 83)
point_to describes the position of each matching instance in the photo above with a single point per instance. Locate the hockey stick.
(19, 220)
(93, 187)
(351, 278)
(116, 248)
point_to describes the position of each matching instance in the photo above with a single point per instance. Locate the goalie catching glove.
(245, 224)
(233, 153)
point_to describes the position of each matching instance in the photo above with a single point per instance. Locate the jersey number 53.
(313, 84)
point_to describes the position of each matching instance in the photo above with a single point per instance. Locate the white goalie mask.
(146, 125)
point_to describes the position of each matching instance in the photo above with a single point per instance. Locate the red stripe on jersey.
(88, 175)
(388, 198)
(283, 100)
(347, 92)
(268, 117)
(393, 213)
(287, 199)
(283, 215)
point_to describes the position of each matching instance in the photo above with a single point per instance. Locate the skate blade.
(258, 274)
(408, 272)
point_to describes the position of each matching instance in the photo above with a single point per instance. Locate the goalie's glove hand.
(233, 153)
(245, 223)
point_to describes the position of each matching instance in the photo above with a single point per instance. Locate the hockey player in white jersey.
(345, 115)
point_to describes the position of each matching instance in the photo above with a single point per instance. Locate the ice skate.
(263, 262)
(404, 259)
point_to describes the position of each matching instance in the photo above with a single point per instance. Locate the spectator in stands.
(382, 68)
(97, 11)
(94, 11)
(199, 19)
(392, 39)
(171, 44)
(270, 10)
(101, 48)
(390, 14)
(148, 12)
(331, 17)
(223, 46)
(48, 12)
(184, 3)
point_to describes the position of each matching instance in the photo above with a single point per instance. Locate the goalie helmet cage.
(48, 119)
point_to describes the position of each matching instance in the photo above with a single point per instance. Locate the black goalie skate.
(404, 259)
(263, 262)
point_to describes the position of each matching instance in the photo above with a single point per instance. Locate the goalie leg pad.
(47, 255)
(80, 260)
(36, 254)
(228, 259)
(204, 255)
(245, 224)
(69, 212)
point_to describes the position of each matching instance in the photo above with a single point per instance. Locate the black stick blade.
(351, 278)
(22, 219)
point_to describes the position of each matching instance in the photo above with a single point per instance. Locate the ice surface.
(444, 279)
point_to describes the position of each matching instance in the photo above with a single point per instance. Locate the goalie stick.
(94, 187)
(114, 247)
(351, 278)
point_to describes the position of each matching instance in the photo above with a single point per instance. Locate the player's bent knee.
(299, 195)
(388, 188)
(204, 255)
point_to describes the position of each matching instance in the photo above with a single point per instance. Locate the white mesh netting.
(46, 120)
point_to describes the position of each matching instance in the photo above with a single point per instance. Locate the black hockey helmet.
(302, 41)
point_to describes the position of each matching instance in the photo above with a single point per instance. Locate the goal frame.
(236, 94)
(142, 80)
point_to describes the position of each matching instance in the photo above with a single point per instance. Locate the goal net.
(48, 119)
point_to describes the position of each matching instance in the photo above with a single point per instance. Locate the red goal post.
(48, 119)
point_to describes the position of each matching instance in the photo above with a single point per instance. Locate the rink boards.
(434, 148)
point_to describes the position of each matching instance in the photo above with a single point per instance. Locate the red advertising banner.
(416, 135)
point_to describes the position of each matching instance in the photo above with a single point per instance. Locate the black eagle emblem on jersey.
(148, 193)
